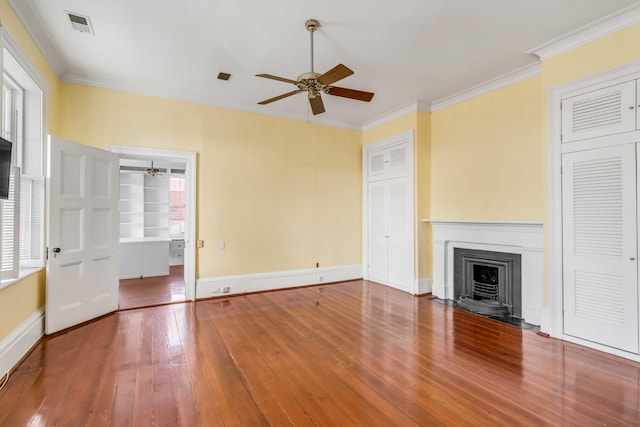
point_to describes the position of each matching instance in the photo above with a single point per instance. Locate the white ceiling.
(403, 50)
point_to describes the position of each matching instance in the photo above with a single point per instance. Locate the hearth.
(488, 283)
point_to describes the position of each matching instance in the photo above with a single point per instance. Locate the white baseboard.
(532, 315)
(424, 286)
(214, 286)
(546, 322)
(19, 342)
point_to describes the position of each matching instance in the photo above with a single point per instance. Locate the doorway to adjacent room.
(156, 223)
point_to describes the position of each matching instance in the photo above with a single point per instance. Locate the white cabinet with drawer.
(177, 252)
(145, 257)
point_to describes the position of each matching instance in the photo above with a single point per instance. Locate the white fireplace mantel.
(520, 237)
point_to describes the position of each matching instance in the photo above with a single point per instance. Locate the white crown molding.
(396, 113)
(597, 29)
(92, 82)
(488, 86)
(41, 38)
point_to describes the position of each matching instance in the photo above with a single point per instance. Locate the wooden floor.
(149, 291)
(349, 354)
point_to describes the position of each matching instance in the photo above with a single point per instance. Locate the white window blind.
(31, 221)
(9, 228)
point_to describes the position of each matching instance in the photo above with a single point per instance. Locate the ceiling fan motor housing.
(312, 24)
(309, 82)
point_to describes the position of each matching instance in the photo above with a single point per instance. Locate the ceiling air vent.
(80, 23)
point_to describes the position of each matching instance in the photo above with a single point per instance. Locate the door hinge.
(46, 253)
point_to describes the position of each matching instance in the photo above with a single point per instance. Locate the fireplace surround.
(525, 238)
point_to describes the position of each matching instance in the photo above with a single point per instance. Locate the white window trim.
(8, 43)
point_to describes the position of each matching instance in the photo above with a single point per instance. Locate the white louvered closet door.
(400, 234)
(600, 246)
(606, 111)
(378, 211)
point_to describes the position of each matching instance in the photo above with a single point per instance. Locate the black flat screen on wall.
(5, 167)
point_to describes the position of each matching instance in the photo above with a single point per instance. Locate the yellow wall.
(420, 123)
(285, 195)
(487, 156)
(423, 194)
(616, 49)
(23, 298)
(20, 300)
(282, 194)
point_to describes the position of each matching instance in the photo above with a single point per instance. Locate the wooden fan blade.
(350, 93)
(277, 98)
(317, 106)
(280, 79)
(338, 72)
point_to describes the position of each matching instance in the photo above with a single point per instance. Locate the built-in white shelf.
(144, 225)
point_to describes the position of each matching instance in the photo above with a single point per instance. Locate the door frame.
(553, 318)
(408, 136)
(190, 172)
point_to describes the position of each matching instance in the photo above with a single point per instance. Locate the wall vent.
(80, 22)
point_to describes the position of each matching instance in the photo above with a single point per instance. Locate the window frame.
(181, 176)
(11, 47)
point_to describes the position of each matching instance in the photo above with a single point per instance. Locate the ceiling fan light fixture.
(152, 171)
(315, 83)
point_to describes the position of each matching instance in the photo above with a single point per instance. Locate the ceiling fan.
(152, 171)
(314, 83)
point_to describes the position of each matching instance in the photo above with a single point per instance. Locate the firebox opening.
(485, 282)
(488, 283)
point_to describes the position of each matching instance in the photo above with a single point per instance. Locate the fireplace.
(525, 238)
(488, 283)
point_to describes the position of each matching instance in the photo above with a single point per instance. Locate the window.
(22, 216)
(177, 205)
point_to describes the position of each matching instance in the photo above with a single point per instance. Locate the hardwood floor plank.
(152, 291)
(272, 345)
(354, 353)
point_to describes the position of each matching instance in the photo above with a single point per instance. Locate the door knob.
(56, 251)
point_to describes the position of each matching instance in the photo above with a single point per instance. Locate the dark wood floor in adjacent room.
(150, 291)
(348, 354)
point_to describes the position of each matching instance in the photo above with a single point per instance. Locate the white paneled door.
(82, 270)
(600, 246)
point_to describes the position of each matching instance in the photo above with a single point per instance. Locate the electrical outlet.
(200, 244)
(226, 290)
